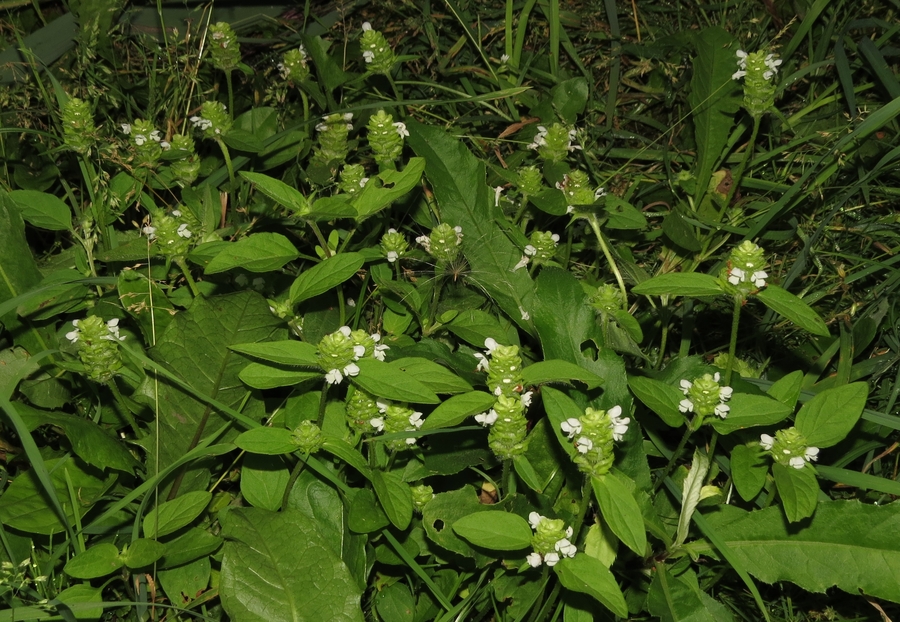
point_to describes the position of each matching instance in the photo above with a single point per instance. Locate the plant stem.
(187, 276)
(736, 178)
(595, 225)
(322, 241)
(323, 400)
(120, 400)
(508, 480)
(228, 164)
(675, 455)
(230, 92)
(732, 345)
(586, 492)
(295, 473)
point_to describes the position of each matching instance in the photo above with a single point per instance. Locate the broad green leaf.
(749, 467)
(827, 418)
(193, 544)
(474, 326)
(145, 301)
(434, 376)
(495, 531)
(587, 575)
(560, 407)
(267, 441)
(713, 100)
(191, 578)
(382, 380)
(621, 214)
(291, 352)
(98, 560)
(365, 514)
(793, 308)
(847, 544)
(460, 187)
(296, 576)
(258, 252)
(375, 198)
(260, 376)
(456, 409)
(92, 443)
(143, 552)
(680, 284)
(325, 276)
(747, 410)
(279, 192)
(526, 471)
(340, 448)
(170, 516)
(569, 98)
(787, 388)
(332, 208)
(24, 504)
(394, 496)
(798, 489)
(439, 515)
(79, 595)
(396, 603)
(242, 140)
(675, 599)
(264, 480)
(621, 511)
(42, 210)
(677, 229)
(543, 372)
(661, 398)
(691, 492)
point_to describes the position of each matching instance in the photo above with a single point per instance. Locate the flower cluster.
(745, 269)
(550, 541)
(543, 246)
(339, 351)
(789, 447)
(607, 299)
(172, 232)
(146, 140)
(509, 428)
(98, 346)
(332, 136)
(386, 138)
(577, 188)
(308, 437)
(758, 69)
(293, 65)
(594, 434)
(554, 143)
(377, 54)
(705, 397)
(393, 245)
(213, 119)
(186, 168)
(421, 495)
(224, 50)
(78, 125)
(443, 243)
(361, 408)
(396, 418)
(529, 180)
(353, 178)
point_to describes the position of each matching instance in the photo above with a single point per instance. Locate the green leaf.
(620, 510)
(434, 376)
(193, 544)
(296, 577)
(79, 595)
(97, 561)
(264, 480)
(454, 410)
(543, 372)
(560, 407)
(291, 352)
(713, 100)
(680, 231)
(847, 544)
(325, 276)
(680, 284)
(143, 552)
(460, 187)
(788, 305)
(474, 326)
(749, 466)
(267, 441)
(375, 198)
(279, 192)
(787, 388)
(587, 575)
(495, 531)
(569, 98)
(395, 497)
(621, 214)
(42, 210)
(395, 603)
(382, 380)
(145, 301)
(340, 448)
(827, 418)
(172, 515)
(92, 443)
(191, 578)
(748, 410)
(443, 511)
(261, 376)
(798, 489)
(258, 252)
(661, 398)
(365, 514)
(677, 599)
(525, 470)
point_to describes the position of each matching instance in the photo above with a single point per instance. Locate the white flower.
(526, 398)
(73, 335)
(599, 192)
(377, 423)
(218, 35)
(504, 59)
(551, 559)
(392, 256)
(487, 419)
(522, 262)
(736, 276)
(366, 26)
(321, 127)
(570, 209)
(797, 462)
(525, 315)
(742, 59)
(165, 145)
(351, 370)
(725, 393)
(571, 427)
(149, 231)
(497, 192)
(584, 445)
(617, 423)
(345, 331)
(722, 410)
(811, 454)
(491, 344)
(139, 139)
(363, 182)
(565, 548)
(348, 116)
(459, 234)
(555, 236)
(334, 376)
(737, 75)
(379, 350)
(766, 441)
(351, 302)
(534, 559)
(155, 135)
(483, 363)
(534, 519)
(539, 138)
(183, 231)
(368, 56)
(685, 385)
(126, 128)
(176, 213)
(401, 128)
(411, 441)
(358, 351)
(686, 406)
(416, 420)
(425, 241)
(758, 278)
(382, 406)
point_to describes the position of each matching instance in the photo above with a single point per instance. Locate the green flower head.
(213, 119)
(294, 66)
(789, 447)
(758, 70)
(377, 54)
(224, 51)
(79, 130)
(98, 346)
(554, 143)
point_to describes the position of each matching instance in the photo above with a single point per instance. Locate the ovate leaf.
(259, 252)
(325, 276)
(385, 381)
(97, 561)
(620, 510)
(680, 284)
(172, 515)
(748, 410)
(543, 372)
(661, 398)
(827, 419)
(793, 308)
(798, 489)
(587, 575)
(279, 192)
(42, 209)
(292, 352)
(395, 497)
(267, 441)
(454, 411)
(496, 531)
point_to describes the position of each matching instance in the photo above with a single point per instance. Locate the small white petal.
(345, 331)
(358, 351)
(401, 129)
(812, 453)
(333, 376)
(73, 335)
(797, 462)
(366, 26)
(571, 427)
(351, 370)
(686, 386)
(551, 559)
(377, 423)
(416, 420)
(534, 519)
(534, 559)
(126, 128)
(686, 406)
(526, 399)
(368, 56)
(766, 441)
(584, 445)
(725, 393)
(722, 410)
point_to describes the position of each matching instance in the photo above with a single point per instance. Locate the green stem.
(295, 473)
(675, 455)
(321, 238)
(305, 100)
(595, 225)
(125, 411)
(545, 576)
(230, 92)
(508, 479)
(732, 345)
(401, 111)
(586, 492)
(228, 164)
(739, 174)
(323, 400)
(187, 276)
